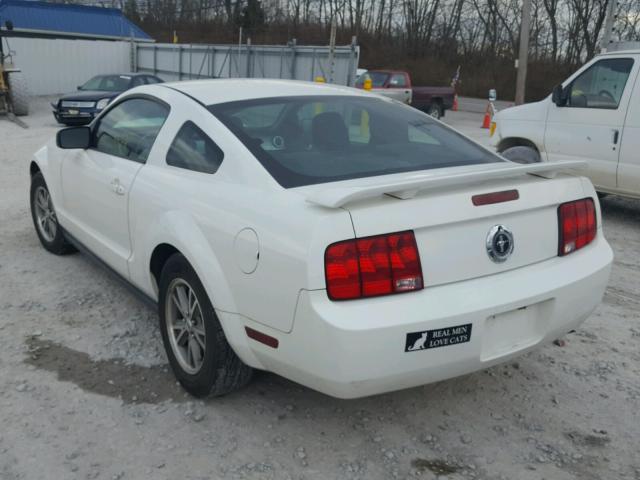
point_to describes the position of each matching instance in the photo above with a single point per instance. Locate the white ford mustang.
(339, 239)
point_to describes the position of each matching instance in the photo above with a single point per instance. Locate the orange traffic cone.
(455, 103)
(486, 121)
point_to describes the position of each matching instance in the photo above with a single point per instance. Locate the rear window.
(378, 79)
(311, 140)
(108, 83)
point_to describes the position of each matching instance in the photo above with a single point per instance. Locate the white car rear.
(337, 238)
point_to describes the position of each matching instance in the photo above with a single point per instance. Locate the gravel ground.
(85, 391)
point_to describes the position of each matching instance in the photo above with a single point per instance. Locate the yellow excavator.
(14, 96)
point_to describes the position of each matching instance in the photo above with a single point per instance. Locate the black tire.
(435, 111)
(18, 93)
(521, 154)
(221, 371)
(602, 195)
(56, 244)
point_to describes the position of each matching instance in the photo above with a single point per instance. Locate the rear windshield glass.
(310, 140)
(378, 79)
(108, 83)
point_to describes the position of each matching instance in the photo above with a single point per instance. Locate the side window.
(151, 80)
(398, 80)
(130, 128)
(193, 150)
(137, 81)
(601, 85)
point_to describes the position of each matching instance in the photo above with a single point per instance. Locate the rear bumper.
(357, 348)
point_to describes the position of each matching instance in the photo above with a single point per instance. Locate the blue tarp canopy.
(64, 20)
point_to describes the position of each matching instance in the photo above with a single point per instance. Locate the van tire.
(521, 154)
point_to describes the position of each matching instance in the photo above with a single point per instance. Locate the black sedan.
(91, 98)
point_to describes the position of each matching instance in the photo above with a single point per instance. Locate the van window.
(601, 85)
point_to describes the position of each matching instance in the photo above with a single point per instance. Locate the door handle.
(117, 186)
(616, 134)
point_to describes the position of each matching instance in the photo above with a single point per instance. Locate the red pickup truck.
(396, 84)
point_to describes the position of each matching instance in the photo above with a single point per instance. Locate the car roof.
(376, 70)
(125, 74)
(213, 91)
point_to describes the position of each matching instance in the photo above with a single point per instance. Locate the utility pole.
(524, 51)
(332, 49)
(608, 26)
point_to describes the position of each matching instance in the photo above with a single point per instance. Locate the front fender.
(521, 125)
(40, 161)
(47, 161)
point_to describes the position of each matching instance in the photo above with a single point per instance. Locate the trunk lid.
(452, 232)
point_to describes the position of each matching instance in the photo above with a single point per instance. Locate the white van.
(594, 116)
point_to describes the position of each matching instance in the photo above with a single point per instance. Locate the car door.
(629, 164)
(589, 127)
(96, 182)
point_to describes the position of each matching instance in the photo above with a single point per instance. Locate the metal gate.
(187, 61)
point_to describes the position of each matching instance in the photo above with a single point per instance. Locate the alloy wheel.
(45, 215)
(185, 326)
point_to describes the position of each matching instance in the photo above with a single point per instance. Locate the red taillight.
(342, 271)
(576, 224)
(373, 266)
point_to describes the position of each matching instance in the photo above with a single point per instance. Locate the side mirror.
(74, 137)
(559, 96)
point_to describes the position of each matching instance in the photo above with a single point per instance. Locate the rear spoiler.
(404, 186)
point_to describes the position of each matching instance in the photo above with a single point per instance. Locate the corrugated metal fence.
(58, 66)
(186, 61)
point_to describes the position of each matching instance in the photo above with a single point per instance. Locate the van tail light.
(576, 225)
(373, 266)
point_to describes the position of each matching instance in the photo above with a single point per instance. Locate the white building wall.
(59, 66)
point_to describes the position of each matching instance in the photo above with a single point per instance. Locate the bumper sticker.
(440, 337)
